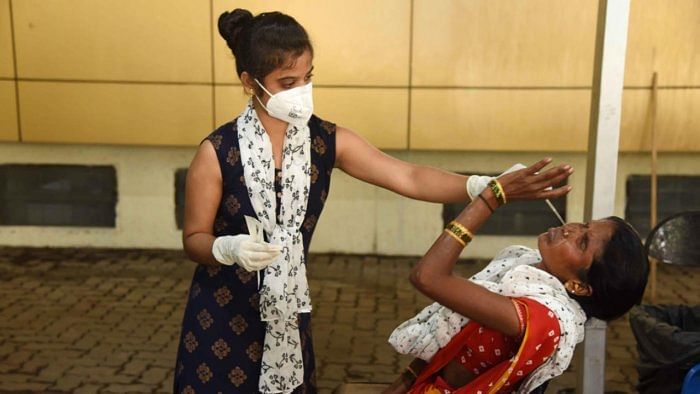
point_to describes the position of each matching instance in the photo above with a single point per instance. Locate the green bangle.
(498, 192)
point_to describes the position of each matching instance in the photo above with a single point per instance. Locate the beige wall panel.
(503, 42)
(678, 120)
(380, 115)
(360, 42)
(7, 68)
(502, 120)
(8, 112)
(664, 36)
(155, 40)
(349, 220)
(115, 114)
(230, 101)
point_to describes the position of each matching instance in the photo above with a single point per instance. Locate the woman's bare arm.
(203, 191)
(361, 160)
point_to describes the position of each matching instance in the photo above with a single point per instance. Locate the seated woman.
(515, 324)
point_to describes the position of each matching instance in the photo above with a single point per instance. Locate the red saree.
(538, 343)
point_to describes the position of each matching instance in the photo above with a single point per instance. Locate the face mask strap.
(263, 87)
(261, 103)
(280, 116)
(258, 98)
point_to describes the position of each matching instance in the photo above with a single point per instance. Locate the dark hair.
(618, 276)
(263, 42)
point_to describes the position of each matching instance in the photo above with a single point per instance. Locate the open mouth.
(553, 233)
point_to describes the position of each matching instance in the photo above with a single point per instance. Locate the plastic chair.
(668, 345)
(675, 239)
(691, 383)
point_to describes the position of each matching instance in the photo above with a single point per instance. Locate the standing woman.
(246, 327)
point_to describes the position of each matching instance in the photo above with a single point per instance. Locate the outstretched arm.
(361, 160)
(433, 274)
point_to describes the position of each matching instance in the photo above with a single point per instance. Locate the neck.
(541, 265)
(272, 126)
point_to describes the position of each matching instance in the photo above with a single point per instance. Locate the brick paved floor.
(85, 320)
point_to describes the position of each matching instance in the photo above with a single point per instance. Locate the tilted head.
(602, 264)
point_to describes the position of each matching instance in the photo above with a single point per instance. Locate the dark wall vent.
(58, 195)
(675, 194)
(180, 177)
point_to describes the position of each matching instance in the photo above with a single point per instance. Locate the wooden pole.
(652, 208)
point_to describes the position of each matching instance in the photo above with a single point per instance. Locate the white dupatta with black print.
(285, 291)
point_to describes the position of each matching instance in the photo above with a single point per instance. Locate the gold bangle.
(498, 192)
(460, 232)
(456, 237)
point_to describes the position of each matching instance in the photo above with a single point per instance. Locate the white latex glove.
(245, 251)
(477, 183)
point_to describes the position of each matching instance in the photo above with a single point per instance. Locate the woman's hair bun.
(231, 23)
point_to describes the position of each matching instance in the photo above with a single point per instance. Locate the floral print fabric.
(222, 336)
(285, 291)
(505, 372)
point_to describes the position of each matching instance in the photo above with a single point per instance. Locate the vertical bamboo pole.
(652, 208)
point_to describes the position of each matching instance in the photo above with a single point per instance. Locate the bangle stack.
(498, 192)
(460, 233)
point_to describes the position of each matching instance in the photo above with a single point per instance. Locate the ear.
(248, 82)
(576, 287)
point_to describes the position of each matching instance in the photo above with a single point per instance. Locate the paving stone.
(127, 388)
(334, 371)
(52, 372)
(33, 366)
(154, 376)
(93, 371)
(18, 358)
(88, 389)
(67, 383)
(23, 386)
(135, 367)
(91, 320)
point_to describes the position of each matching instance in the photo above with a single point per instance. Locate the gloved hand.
(477, 183)
(245, 251)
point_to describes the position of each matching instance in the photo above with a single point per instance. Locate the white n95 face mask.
(293, 106)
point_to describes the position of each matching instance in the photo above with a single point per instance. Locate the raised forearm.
(433, 274)
(440, 259)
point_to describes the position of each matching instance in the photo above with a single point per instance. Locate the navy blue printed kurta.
(222, 336)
